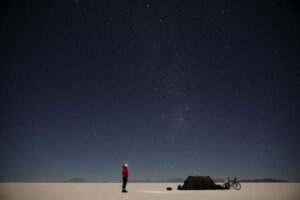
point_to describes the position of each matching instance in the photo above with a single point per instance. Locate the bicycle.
(234, 184)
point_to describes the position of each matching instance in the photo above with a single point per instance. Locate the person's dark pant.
(124, 183)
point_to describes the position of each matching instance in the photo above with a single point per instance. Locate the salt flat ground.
(143, 191)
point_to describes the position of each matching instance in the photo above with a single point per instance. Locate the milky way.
(172, 88)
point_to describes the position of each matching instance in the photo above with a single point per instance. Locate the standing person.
(125, 177)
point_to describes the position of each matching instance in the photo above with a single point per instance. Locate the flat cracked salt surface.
(143, 191)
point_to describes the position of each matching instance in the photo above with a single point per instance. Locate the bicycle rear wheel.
(237, 186)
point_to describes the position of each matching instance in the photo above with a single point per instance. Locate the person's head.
(125, 165)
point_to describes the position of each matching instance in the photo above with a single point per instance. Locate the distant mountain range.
(75, 180)
(173, 180)
(181, 180)
(264, 180)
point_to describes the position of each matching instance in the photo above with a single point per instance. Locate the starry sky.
(173, 88)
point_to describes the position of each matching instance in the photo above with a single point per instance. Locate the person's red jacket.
(125, 171)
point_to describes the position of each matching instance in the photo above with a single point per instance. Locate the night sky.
(173, 88)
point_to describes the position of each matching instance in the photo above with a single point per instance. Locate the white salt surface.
(143, 191)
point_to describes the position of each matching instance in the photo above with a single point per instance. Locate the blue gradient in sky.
(171, 88)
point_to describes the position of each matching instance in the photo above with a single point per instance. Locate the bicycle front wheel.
(237, 186)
